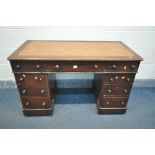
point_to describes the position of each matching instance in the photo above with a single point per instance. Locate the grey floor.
(79, 111)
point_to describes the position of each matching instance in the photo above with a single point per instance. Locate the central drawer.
(68, 67)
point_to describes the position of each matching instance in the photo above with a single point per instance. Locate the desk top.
(74, 50)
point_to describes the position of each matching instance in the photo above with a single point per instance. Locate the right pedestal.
(112, 92)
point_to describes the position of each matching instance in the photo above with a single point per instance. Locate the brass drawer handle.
(21, 79)
(125, 90)
(113, 66)
(24, 91)
(36, 78)
(111, 79)
(37, 66)
(96, 66)
(43, 104)
(128, 79)
(109, 90)
(23, 75)
(107, 102)
(17, 66)
(42, 91)
(40, 79)
(123, 103)
(27, 104)
(56, 66)
(133, 66)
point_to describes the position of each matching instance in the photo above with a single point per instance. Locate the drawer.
(58, 66)
(27, 66)
(118, 78)
(122, 90)
(36, 103)
(30, 78)
(113, 102)
(33, 90)
(75, 66)
(122, 66)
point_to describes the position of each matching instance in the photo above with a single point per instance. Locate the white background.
(78, 13)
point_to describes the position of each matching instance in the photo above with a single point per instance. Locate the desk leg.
(36, 94)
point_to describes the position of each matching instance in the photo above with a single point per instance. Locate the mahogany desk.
(113, 63)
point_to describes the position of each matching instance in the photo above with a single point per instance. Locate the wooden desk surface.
(74, 50)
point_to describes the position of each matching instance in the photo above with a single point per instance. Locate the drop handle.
(133, 66)
(37, 66)
(42, 91)
(23, 75)
(111, 79)
(24, 91)
(96, 66)
(56, 66)
(113, 66)
(21, 79)
(123, 103)
(128, 79)
(17, 66)
(43, 104)
(125, 90)
(35, 77)
(109, 90)
(107, 102)
(27, 104)
(40, 79)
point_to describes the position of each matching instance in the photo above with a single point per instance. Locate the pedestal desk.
(113, 63)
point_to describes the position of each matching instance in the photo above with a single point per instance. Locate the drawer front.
(27, 66)
(122, 90)
(91, 66)
(122, 66)
(74, 66)
(31, 90)
(119, 78)
(113, 102)
(35, 103)
(30, 78)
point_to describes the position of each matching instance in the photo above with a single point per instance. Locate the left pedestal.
(35, 93)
